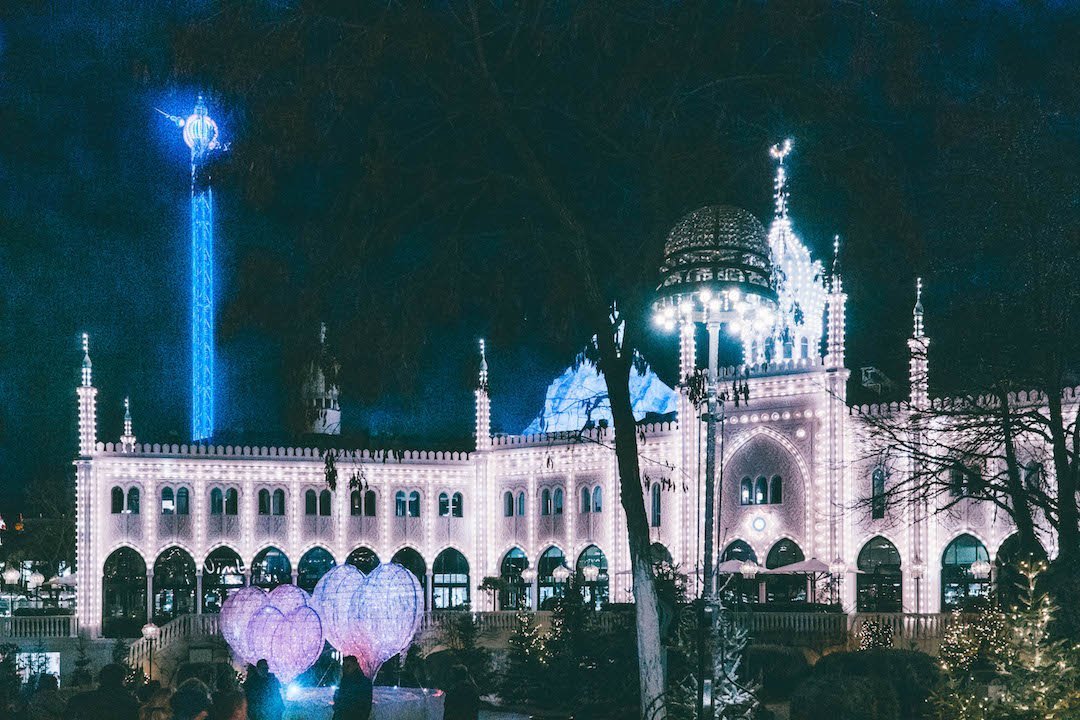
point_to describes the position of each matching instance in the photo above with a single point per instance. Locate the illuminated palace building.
(165, 530)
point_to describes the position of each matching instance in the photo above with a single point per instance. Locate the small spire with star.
(127, 440)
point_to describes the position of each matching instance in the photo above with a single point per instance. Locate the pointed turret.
(836, 312)
(87, 403)
(918, 347)
(483, 403)
(320, 391)
(127, 440)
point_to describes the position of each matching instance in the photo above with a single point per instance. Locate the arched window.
(324, 503)
(183, 504)
(1008, 581)
(355, 507)
(657, 505)
(279, 502)
(746, 492)
(363, 559)
(232, 501)
(508, 504)
(117, 498)
(123, 610)
(877, 491)
(878, 586)
(958, 585)
(414, 563)
(776, 490)
(264, 502)
(513, 594)
(315, 563)
(595, 592)
(521, 503)
(547, 586)
(557, 501)
(761, 491)
(444, 505)
(804, 348)
(586, 501)
(457, 505)
(174, 585)
(780, 587)
(271, 568)
(789, 348)
(545, 502)
(311, 502)
(400, 505)
(739, 590)
(597, 499)
(217, 502)
(168, 501)
(223, 573)
(450, 580)
(369, 503)
(414, 504)
(133, 501)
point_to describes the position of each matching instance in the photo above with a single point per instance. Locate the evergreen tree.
(567, 646)
(1036, 675)
(522, 680)
(976, 645)
(10, 680)
(463, 639)
(82, 675)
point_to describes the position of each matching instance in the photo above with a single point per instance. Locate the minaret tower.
(127, 440)
(322, 406)
(201, 136)
(483, 403)
(836, 313)
(87, 404)
(918, 347)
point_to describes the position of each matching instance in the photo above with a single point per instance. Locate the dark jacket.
(352, 701)
(264, 697)
(105, 703)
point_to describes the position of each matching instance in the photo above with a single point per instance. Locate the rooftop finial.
(322, 333)
(483, 357)
(86, 364)
(781, 151)
(918, 312)
(127, 416)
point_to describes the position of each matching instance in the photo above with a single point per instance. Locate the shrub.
(779, 669)
(913, 675)
(839, 697)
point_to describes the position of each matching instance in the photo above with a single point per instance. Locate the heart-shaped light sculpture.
(385, 615)
(331, 599)
(297, 644)
(261, 629)
(287, 598)
(236, 613)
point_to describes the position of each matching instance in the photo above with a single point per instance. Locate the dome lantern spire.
(781, 151)
(127, 440)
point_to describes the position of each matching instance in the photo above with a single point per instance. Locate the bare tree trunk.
(616, 368)
(1021, 508)
(1065, 476)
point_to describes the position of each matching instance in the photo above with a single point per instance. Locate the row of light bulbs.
(750, 313)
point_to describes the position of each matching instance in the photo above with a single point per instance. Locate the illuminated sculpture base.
(390, 703)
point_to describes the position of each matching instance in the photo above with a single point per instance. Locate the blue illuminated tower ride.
(201, 135)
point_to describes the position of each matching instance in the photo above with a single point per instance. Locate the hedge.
(839, 697)
(779, 669)
(913, 675)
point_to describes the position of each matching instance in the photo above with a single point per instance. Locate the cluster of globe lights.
(744, 315)
(372, 617)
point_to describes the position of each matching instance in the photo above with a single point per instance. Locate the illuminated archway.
(123, 611)
(174, 585)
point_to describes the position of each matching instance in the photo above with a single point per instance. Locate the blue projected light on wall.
(201, 136)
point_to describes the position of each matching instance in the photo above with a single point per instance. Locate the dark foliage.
(777, 668)
(833, 697)
(913, 675)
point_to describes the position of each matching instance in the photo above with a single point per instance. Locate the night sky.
(94, 212)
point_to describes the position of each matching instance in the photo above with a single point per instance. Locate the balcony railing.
(39, 626)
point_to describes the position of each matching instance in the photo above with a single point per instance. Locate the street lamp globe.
(561, 573)
(35, 580)
(590, 572)
(980, 568)
(528, 575)
(12, 575)
(150, 631)
(837, 567)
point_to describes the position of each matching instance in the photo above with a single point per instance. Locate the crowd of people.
(260, 698)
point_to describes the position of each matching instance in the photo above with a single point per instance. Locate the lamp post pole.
(713, 327)
(150, 633)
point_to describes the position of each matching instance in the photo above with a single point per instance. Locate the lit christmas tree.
(526, 663)
(1036, 677)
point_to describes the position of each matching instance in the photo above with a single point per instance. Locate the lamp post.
(11, 577)
(590, 573)
(918, 569)
(836, 569)
(151, 633)
(982, 570)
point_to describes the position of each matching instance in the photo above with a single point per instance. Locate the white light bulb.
(706, 295)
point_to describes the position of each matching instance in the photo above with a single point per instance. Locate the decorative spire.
(918, 311)
(127, 440)
(780, 151)
(483, 365)
(87, 366)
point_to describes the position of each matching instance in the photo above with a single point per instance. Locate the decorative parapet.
(247, 451)
(569, 437)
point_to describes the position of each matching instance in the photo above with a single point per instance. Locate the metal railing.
(178, 629)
